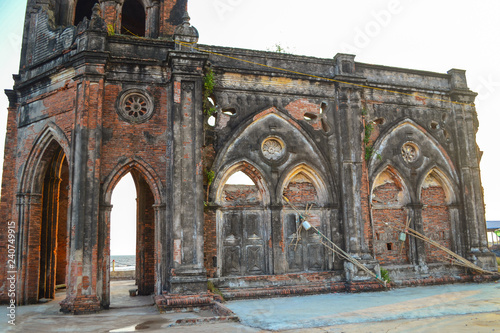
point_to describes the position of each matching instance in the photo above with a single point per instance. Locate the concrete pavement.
(449, 308)
(340, 309)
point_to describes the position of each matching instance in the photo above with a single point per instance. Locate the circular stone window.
(135, 106)
(410, 152)
(273, 149)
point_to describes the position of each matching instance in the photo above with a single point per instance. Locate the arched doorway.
(53, 223)
(306, 195)
(138, 190)
(123, 231)
(242, 223)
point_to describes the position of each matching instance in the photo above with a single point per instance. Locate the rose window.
(273, 149)
(410, 152)
(135, 106)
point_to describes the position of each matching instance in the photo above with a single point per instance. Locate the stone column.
(89, 64)
(456, 235)
(184, 169)
(351, 132)
(279, 264)
(153, 20)
(162, 261)
(103, 279)
(466, 126)
(30, 213)
(111, 13)
(351, 159)
(8, 207)
(417, 246)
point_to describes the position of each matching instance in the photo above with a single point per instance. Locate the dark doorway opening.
(53, 233)
(84, 9)
(133, 19)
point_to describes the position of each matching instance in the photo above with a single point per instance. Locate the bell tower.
(105, 89)
(140, 18)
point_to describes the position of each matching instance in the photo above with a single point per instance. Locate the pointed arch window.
(133, 19)
(84, 9)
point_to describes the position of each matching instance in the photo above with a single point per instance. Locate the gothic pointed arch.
(270, 139)
(306, 193)
(42, 208)
(127, 165)
(149, 218)
(438, 197)
(49, 138)
(252, 171)
(442, 179)
(242, 223)
(389, 197)
(304, 174)
(388, 174)
(408, 146)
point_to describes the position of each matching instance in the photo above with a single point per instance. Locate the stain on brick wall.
(241, 194)
(301, 191)
(210, 242)
(435, 219)
(387, 203)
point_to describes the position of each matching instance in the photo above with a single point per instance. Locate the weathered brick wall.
(303, 109)
(365, 209)
(33, 260)
(210, 242)
(33, 121)
(241, 194)
(171, 15)
(7, 203)
(387, 246)
(123, 140)
(300, 191)
(110, 15)
(305, 125)
(386, 240)
(436, 222)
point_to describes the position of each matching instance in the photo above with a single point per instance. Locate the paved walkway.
(341, 309)
(449, 308)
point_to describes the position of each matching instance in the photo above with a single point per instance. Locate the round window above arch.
(135, 106)
(273, 149)
(410, 152)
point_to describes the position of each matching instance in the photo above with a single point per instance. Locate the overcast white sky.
(417, 34)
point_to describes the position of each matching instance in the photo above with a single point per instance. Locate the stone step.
(281, 291)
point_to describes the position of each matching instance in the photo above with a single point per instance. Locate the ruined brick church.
(111, 87)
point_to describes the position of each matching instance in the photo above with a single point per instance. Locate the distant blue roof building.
(492, 225)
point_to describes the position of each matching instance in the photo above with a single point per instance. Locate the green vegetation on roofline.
(208, 89)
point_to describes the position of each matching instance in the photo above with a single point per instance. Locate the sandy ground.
(450, 308)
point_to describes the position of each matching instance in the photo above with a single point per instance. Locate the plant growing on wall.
(213, 289)
(366, 141)
(111, 30)
(278, 48)
(208, 89)
(210, 174)
(384, 273)
(369, 126)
